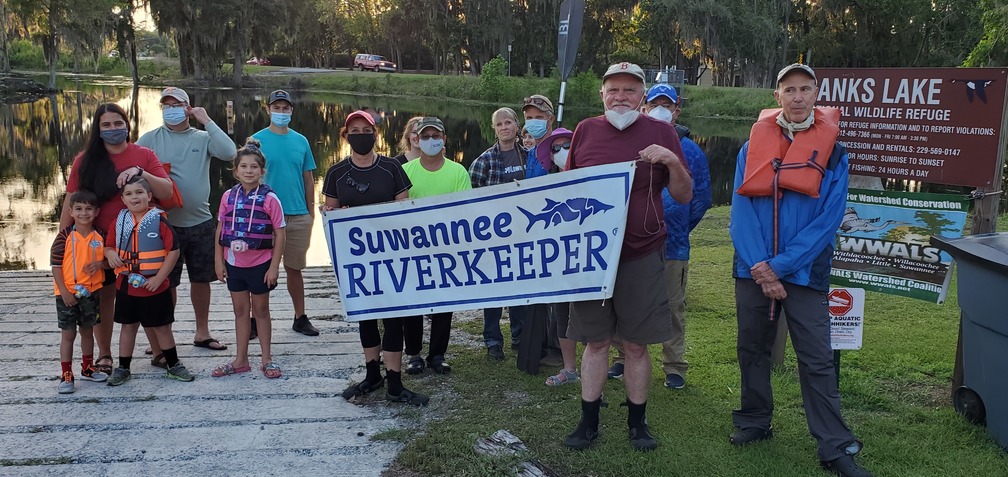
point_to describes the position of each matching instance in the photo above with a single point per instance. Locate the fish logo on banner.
(555, 213)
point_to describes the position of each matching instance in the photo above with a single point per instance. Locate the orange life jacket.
(140, 244)
(799, 164)
(79, 251)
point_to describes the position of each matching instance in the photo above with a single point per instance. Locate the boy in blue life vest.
(77, 264)
(142, 250)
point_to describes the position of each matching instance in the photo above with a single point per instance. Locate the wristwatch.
(140, 171)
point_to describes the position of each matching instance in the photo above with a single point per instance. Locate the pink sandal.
(271, 370)
(229, 369)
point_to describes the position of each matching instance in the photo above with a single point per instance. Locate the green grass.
(895, 397)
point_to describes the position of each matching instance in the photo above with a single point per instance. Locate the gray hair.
(505, 110)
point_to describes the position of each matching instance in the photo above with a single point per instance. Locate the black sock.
(590, 413)
(373, 372)
(171, 356)
(635, 413)
(394, 380)
(124, 361)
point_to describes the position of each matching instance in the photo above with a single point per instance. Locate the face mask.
(560, 158)
(661, 113)
(280, 120)
(173, 116)
(622, 120)
(115, 137)
(361, 143)
(536, 127)
(431, 147)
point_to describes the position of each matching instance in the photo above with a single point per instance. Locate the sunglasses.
(538, 102)
(361, 187)
(556, 147)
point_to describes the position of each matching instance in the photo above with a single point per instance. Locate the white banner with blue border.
(545, 240)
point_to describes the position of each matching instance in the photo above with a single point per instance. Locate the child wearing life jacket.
(250, 233)
(77, 265)
(142, 250)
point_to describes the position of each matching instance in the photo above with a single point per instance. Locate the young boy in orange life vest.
(77, 263)
(142, 250)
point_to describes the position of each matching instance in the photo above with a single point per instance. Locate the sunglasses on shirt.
(361, 187)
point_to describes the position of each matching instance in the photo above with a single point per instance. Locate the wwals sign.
(545, 240)
(937, 125)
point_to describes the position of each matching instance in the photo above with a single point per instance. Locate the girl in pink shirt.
(250, 232)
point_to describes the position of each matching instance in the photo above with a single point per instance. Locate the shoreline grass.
(895, 394)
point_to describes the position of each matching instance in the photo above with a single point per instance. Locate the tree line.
(738, 42)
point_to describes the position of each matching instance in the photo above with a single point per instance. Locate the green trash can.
(982, 261)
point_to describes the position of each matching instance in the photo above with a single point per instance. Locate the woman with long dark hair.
(108, 161)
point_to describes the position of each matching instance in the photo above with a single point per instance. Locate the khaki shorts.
(638, 311)
(299, 230)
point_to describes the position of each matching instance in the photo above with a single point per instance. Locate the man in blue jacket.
(790, 195)
(680, 220)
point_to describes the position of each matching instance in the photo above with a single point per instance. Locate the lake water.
(39, 140)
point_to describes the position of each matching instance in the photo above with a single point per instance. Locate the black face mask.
(361, 143)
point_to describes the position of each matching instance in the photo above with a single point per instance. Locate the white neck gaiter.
(792, 128)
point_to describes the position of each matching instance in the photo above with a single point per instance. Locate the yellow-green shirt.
(452, 177)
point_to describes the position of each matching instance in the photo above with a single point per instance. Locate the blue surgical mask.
(280, 120)
(536, 127)
(115, 137)
(431, 147)
(173, 116)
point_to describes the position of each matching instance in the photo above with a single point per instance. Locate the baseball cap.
(795, 67)
(663, 89)
(429, 122)
(538, 101)
(360, 114)
(624, 68)
(177, 93)
(279, 95)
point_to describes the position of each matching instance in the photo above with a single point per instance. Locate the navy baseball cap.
(663, 89)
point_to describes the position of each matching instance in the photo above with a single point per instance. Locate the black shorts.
(149, 311)
(196, 251)
(252, 280)
(110, 277)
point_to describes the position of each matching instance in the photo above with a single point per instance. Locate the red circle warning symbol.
(840, 302)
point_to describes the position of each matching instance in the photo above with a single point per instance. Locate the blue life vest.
(245, 218)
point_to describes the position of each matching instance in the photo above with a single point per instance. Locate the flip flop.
(229, 369)
(206, 344)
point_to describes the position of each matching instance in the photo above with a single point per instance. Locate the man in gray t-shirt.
(188, 151)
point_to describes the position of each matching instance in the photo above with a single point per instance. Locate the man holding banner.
(790, 195)
(638, 311)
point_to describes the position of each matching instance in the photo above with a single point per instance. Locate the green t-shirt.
(452, 177)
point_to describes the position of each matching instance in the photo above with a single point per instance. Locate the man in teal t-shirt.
(189, 150)
(289, 166)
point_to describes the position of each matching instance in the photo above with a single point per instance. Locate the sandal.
(408, 397)
(361, 388)
(563, 377)
(229, 369)
(210, 343)
(271, 370)
(438, 364)
(159, 361)
(105, 368)
(416, 365)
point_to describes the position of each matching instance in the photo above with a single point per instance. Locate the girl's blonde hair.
(404, 142)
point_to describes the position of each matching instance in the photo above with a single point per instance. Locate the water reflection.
(39, 140)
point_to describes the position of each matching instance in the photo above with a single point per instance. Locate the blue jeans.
(491, 325)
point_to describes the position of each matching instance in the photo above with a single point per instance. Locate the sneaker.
(119, 376)
(581, 438)
(408, 397)
(616, 371)
(674, 381)
(495, 352)
(66, 385)
(641, 438)
(254, 332)
(749, 435)
(846, 467)
(91, 374)
(439, 365)
(303, 325)
(180, 373)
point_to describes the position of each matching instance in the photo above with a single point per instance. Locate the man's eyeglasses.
(538, 102)
(556, 147)
(431, 136)
(173, 105)
(361, 187)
